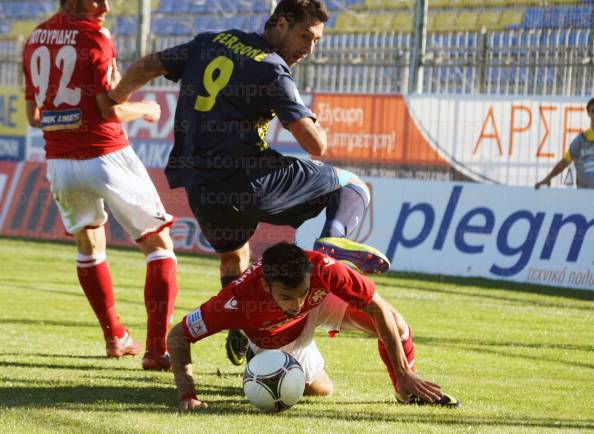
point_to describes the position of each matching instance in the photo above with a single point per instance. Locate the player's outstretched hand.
(153, 111)
(541, 183)
(192, 404)
(412, 385)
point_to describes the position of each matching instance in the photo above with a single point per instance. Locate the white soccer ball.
(273, 381)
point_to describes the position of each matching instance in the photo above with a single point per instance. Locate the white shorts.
(328, 316)
(118, 178)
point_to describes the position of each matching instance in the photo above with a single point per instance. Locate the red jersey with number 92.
(67, 62)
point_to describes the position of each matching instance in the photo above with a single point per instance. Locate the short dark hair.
(285, 263)
(297, 11)
(591, 102)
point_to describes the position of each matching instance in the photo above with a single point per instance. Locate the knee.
(348, 179)
(231, 258)
(233, 263)
(360, 187)
(154, 242)
(90, 241)
(319, 388)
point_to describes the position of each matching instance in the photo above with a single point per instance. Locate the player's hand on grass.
(192, 404)
(153, 111)
(412, 385)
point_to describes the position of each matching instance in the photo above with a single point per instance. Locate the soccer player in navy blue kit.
(232, 85)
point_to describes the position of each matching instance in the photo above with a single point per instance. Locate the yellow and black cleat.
(364, 258)
(446, 400)
(236, 345)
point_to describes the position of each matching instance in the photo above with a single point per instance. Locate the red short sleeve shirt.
(67, 63)
(245, 304)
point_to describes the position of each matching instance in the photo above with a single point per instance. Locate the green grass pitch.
(520, 358)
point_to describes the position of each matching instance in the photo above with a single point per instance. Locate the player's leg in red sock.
(160, 292)
(93, 275)
(95, 280)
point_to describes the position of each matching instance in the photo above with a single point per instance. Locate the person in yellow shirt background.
(581, 153)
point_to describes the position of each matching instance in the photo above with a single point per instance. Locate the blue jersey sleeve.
(286, 101)
(174, 59)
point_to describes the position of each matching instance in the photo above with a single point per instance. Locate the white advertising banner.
(501, 139)
(466, 229)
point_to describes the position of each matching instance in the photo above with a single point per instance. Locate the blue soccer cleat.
(364, 258)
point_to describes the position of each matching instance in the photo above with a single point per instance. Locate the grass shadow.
(63, 366)
(479, 282)
(148, 399)
(484, 296)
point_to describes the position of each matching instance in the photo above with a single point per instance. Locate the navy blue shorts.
(269, 188)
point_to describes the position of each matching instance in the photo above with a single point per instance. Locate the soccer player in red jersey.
(69, 63)
(280, 300)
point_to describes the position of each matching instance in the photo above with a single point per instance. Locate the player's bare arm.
(408, 382)
(33, 115)
(140, 73)
(127, 111)
(309, 135)
(181, 364)
(559, 167)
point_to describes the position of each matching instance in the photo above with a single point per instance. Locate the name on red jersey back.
(67, 62)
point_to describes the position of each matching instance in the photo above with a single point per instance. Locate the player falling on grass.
(232, 85)
(69, 64)
(280, 300)
(581, 153)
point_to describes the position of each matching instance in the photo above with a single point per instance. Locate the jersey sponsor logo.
(61, 119)
(196, 324)
(231, 304)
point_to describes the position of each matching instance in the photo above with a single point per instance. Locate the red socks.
(93, 275)
(160, 292)
(409, 351)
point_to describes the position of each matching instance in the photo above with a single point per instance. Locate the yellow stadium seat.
(524, 3)
(511, 17)
(445, 22)
(471, 3)
(430, 22)
(374, 4)
(128, 7)
(490, 19)
(445, 3)
(467, 21)
(345, 22)
(23, 28)
(403, 22)
(399, 4)
(564, 2)
(382, 23)
(351, 22)
(362, 22)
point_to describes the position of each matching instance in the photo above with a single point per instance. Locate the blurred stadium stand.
(473, 46)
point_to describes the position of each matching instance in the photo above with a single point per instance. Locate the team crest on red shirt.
(317, 296)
